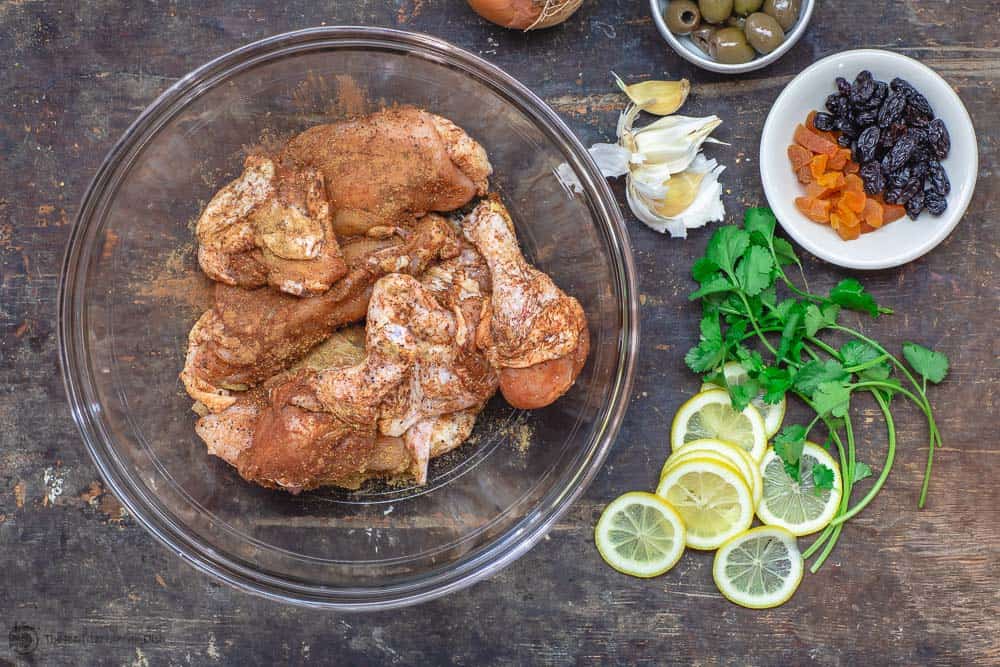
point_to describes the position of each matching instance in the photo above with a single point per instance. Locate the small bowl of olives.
(731, 36)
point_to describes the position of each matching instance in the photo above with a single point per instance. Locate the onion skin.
(525, 14)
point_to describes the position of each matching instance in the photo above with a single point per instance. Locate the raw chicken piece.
(307, 428)
(271, 226)
(387, 168)
(250, 335)
(532, 331)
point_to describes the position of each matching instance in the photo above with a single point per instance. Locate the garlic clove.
(706, 206)
(661, 98)
(681, 192)
(675, 143)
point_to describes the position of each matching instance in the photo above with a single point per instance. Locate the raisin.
(836, 104)
(866, 117)
(914, 117)
(920, 103)
(867, 143)
(844, 141)
(913, 187)
(823, 121)
(881, 91)
(898, 154)
(939, 138)
(902, 86)
(843, 85)
(938, 178)
(893, 196)
(919, 134)
(898, 179)
(862, 88)
(871, 174)
(891, 109)
(892, 134)
(914, 205)
(918, 169)
(935, 203)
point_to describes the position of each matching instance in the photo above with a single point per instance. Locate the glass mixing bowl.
(131, 290)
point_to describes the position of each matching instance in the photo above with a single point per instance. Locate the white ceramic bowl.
(686, 49)
(903, 240)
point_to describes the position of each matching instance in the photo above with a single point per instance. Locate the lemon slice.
(729, 453)
(760, 568)
(640, 534)
(710, 414)
(773, 413)
(796, 506)
(712, 499)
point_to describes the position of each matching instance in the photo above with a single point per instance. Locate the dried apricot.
(839, 159)
(804, 175)
(832, 179)
(872, 215)
(817, 166)
(852, 200)
(851, 167)
(813, 141)
(853, 183)
(798, 156)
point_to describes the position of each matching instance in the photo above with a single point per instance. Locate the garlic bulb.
(670, 185)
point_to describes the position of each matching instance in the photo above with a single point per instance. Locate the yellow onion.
(525, 14)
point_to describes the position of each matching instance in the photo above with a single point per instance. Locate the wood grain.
(903, 587)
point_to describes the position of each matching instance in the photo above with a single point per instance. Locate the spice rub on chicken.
(340, 226)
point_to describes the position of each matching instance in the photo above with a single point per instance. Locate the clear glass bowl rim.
(78, 376)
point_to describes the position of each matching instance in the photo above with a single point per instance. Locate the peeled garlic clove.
(706, 206)
(681, 191)
(661, 98)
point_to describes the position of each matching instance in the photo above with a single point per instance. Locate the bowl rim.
(81, 394)
(791, 223)
(707, 63)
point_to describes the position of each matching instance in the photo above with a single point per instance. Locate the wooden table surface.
(903, 586)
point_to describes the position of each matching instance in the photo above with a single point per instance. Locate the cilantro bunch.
(780, 333)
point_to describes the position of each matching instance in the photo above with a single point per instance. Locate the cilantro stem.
(889, 458)
(847, 482)
(756, 326)
(829, 531)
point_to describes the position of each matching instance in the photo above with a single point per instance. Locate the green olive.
(785, 12)
(729, 46)
(715, 11)
(682, 16)
(746, 7)
(735, 21)
(763, 32)
(702, 37)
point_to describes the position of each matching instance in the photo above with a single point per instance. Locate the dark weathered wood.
(903, 586)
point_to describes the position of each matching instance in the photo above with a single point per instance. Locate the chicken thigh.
(390, 167)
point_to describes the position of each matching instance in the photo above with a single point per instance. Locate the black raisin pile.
(893, 134)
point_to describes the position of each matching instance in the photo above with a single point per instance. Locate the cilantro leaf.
(784, 252)
(849, 293)
(726, 246)
(788, 446)
(833, 398)
(712, 286)
(814, 373)
(859, 353)
(759, 224)
(703, 269)
(754, 271)
(742, 394)
(861, 471)
(769, 296)
(930, 364)
(710, 351)
(776, 381)
(822, 478)
(751, 360)
(817, 318)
